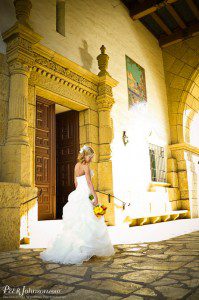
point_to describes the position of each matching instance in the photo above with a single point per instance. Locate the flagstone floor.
(167, 269)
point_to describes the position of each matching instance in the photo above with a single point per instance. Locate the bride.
(83, 234)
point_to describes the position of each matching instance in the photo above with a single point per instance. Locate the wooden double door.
(56, 150)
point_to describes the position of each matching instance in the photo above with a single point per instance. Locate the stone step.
(152, 218)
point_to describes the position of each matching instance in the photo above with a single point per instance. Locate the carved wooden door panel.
(45, 158)
(67, 147)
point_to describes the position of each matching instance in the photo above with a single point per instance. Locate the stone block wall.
(13, 224)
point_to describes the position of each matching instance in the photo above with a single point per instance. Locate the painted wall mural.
(135, 82)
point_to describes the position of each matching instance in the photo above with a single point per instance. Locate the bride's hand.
(95, 202)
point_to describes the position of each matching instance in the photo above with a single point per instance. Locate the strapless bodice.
(82, 184)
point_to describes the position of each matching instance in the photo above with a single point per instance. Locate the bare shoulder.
(86, 167)
(77, 166)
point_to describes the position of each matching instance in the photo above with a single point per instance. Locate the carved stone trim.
(19, 67)
(53, 66)
(62, 87)
(105, 89)
(105, 103)
(19, 43)
(63, 80)
(20, 40)
(105, 99)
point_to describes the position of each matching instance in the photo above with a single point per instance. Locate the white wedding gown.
(82, 235)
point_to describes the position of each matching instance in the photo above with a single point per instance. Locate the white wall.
(107, 22)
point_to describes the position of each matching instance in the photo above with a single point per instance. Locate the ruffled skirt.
(82, 235)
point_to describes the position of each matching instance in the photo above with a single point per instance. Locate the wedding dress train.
(83, 235)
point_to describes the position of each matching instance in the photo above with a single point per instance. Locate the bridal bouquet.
(99, 209)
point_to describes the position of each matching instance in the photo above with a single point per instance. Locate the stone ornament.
(103, 62)
(22, 9)
(105, 103)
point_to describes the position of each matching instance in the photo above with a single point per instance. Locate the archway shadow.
(86, 57)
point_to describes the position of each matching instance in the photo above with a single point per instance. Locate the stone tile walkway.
(162, 270)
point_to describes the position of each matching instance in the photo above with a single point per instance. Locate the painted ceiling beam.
(159, 21)
(193, 7)
(176, 17)
(179, 35)
(147, 7)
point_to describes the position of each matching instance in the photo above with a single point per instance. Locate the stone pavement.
(162, 270)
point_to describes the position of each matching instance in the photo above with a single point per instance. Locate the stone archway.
(182, 79)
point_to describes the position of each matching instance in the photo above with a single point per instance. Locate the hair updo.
(85, 151)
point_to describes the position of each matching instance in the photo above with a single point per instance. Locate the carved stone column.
(18, 104)
(16, 187)
(16, 153)
(105, 102)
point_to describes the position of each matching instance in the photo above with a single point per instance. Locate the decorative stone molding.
(105, 103)
(61, 80)
(64, 81)
(51, 65)
(105, 98)
(20, 41)
(105, 89)
(61, 70)
(19, 67)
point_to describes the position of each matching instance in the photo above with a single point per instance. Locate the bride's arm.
(89, 182)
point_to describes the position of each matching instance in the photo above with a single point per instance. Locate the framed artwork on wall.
(136, 83)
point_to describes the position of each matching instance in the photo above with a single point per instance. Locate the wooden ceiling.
(170, 21)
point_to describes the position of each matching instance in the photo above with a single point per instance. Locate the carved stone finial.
(103, 49)
(22, 9)
(103, 62)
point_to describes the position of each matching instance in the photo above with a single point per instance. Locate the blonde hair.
(85, 151)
